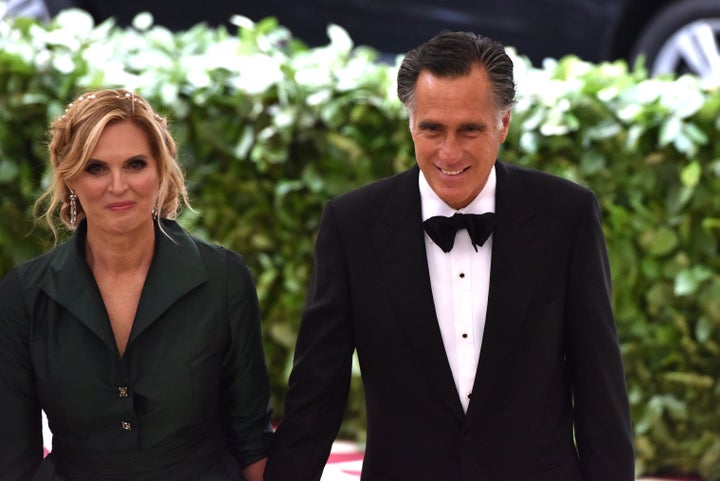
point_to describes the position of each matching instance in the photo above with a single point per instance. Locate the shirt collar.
(433, 205)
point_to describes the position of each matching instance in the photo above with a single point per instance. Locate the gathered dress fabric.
(187, 401)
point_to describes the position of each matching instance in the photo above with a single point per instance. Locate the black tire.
(654, 40)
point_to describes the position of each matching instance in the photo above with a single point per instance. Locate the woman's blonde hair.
(75, 134)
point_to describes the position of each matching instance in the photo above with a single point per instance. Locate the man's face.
(457, 132)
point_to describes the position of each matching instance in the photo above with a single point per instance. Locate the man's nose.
(450, 150)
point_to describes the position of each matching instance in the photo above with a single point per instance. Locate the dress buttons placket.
(126, 421)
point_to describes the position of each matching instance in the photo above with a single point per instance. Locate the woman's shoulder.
(215, 255)
(21, 284)
(216, 252)
(29, 272)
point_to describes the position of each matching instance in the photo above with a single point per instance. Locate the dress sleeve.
(245, 383)
(21, 445)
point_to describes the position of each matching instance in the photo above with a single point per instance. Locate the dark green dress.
(187, 401)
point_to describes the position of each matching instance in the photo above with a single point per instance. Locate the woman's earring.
(73, 208)
(155, 212)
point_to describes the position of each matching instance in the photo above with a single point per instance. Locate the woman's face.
(119, 185)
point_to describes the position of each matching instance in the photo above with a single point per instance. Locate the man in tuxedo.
(487, 344)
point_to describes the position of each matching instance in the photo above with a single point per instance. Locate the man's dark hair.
(454, 54)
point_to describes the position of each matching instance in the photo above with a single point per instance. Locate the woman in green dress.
(140, 342)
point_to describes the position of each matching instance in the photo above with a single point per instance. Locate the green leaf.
(690, 175)
(8, 172)
(660, 241)
(704, 329)
(688, 281)
(670, 131)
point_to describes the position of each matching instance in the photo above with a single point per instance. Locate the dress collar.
(177, 267)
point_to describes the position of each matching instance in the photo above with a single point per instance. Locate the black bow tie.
(442, 229)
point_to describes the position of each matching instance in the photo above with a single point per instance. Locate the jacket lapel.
(515, 248)
(71, 284)
(176, 269)
(399, 241)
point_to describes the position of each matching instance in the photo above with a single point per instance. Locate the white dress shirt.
(460, 281)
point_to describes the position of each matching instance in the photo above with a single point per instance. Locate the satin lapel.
(399, 240)
(516, 243)
(72, 285)
(176, 269)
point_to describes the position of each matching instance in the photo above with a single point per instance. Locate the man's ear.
(505, 126)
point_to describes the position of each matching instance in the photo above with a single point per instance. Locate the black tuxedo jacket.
(549, 401)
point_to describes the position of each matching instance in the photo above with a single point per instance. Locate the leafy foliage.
(270, 129)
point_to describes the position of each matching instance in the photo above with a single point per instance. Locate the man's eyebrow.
(426, 124)
(474, 125)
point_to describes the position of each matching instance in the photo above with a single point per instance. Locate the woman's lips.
(120, 205)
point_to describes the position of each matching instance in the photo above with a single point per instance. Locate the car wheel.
(683, 38)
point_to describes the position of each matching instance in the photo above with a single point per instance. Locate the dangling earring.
(73, 208)
(155, 212)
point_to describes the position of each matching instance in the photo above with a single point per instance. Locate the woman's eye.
(94, 168)
(137, 164)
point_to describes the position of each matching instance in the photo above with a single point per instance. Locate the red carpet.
(344, 464)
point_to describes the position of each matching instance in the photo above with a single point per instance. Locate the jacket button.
(126, 426)
(122, 391)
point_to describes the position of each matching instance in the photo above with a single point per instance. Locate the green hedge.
(270, 129)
